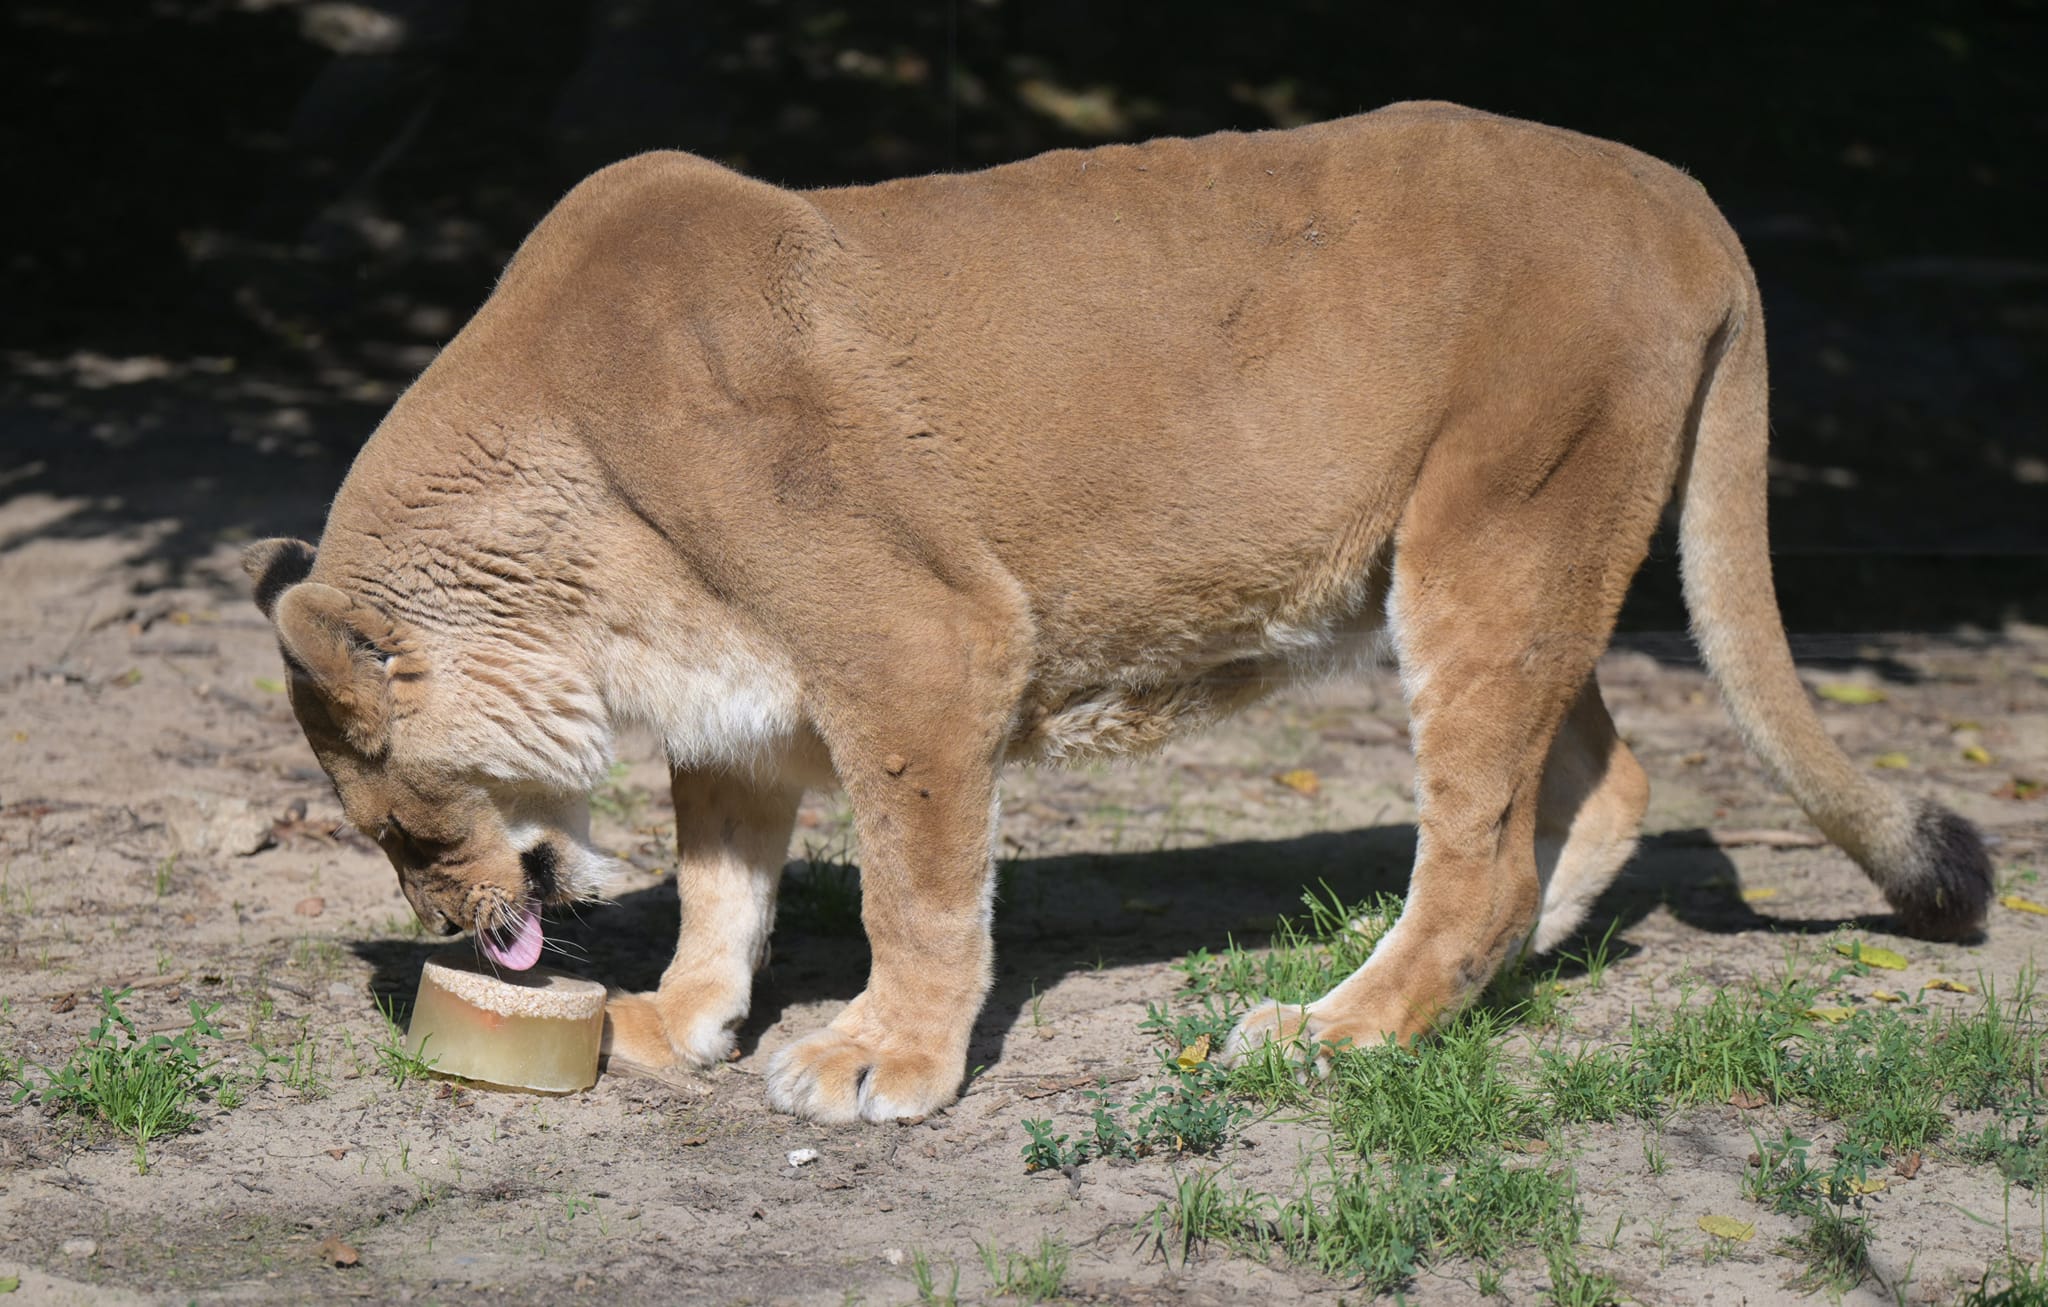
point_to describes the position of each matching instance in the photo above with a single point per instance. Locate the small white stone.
(803, 1156)
(893, 1256)
(80, 1248)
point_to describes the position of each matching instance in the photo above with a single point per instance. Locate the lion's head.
(467, 767)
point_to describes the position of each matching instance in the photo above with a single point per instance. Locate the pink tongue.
(516, 946)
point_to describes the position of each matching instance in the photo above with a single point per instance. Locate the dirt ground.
(150, 773)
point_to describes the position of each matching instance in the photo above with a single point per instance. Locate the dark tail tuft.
(1945, 892)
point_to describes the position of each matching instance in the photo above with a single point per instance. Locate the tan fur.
(884, 486)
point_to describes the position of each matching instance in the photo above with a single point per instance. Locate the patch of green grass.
(1449, 1096)
(1835, 1247)
(1033, 1276)
(145, 1087)
(925, 1281)
(1572, 1285)
(2015, 1144)
(821, 895)
(1380, 1223)
(1204, 1211)
(1737, 1041)
(1586, 1083)
(2012, 1281)
(1834, 1244)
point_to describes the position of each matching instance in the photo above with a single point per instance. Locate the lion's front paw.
(632, 1031)
(652, 1031)
(831, 1076)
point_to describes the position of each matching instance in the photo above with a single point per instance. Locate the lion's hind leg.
(1587, 818)
(1509, 569)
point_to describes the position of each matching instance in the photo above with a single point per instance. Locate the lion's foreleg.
(732, 835)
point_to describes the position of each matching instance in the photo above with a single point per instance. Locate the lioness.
(885, 486)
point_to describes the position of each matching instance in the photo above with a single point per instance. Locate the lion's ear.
(276, 565)
(342, 645)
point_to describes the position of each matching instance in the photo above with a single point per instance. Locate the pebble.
(80, 1248)
(893, 1256)
(803, 1156)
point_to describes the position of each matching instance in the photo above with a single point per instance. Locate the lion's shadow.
(1059, 915)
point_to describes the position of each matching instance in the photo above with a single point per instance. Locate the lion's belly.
(1070, 715)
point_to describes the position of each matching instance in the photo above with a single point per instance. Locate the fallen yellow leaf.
(1870, 955)
(1951, 986)
(1978, 754)
(1193, 1055)
(1834, 1016)
(1887, 996)
(1727, 1227)
(1894, 761)
(1845, 692)
(1758, 893)
(2018, 904)
(1966, 724)
(1870, 1186)
(1302, 781)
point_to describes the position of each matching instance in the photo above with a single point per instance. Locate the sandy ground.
(149, 768)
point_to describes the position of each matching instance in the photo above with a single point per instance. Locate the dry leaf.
(1947, 985)
(337, 1153)
(336, 1253)
(693, 1141)
(1302, 781)
(1529, 1147)
(1892, 761)
(1747, 1099)
(2020, 789)
(1887, 996)
(1872, 1185)
(1908, 1166)
(311, 907)
(1978, 754)
(1872, 956)
(1847, 692)
(1759, 893)
(1727, 1227)
(2018, 904)
(1834, 1016)
(1193, 1055)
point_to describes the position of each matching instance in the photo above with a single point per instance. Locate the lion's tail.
(1929, 862)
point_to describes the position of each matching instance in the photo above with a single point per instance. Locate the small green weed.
(396, 1057)
(1203, 1211)
(924, 1279)
(145, 1087)
(1034, 1276)
(1046, 1151)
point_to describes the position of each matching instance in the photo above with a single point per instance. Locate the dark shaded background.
(236, 229)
